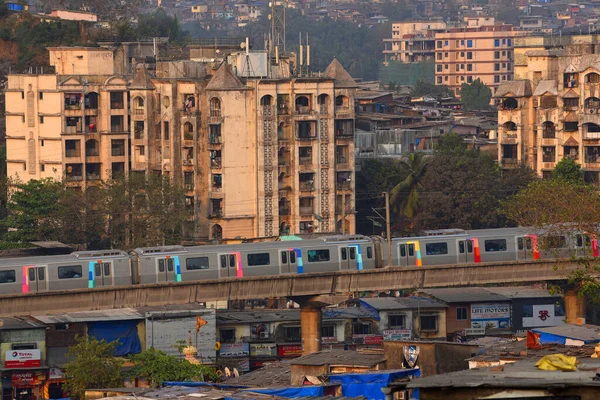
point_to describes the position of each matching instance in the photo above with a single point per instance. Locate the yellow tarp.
(557, 362)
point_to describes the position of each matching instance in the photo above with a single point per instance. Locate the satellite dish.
(236, 373)
(243, 45)
(227, 372)
(269, 16)
(217, 51)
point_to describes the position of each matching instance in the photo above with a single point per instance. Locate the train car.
(78, 270)
(176, 263)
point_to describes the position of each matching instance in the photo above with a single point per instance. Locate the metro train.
(93, 269)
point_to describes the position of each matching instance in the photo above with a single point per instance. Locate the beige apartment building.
(412, 41)
(485, 52)
(552, 112)
(261, 154)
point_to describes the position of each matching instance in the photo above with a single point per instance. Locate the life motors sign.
(23, 358)
(490, 316)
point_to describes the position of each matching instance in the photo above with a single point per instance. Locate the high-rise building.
(552, 112)
(260, 152)
(412, 41)
(485, 52)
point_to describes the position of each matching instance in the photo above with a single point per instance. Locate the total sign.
(22, 358)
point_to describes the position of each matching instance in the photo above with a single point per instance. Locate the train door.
(350, 257)
(407, 255)
(228, 264)
(166, 269)
(102, 272)
(289, 263)
(37, 279)
(465, 251)
(583, 245)
(527, 248)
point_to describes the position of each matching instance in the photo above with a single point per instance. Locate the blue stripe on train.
(91, 282)
(300, 262)
(177, 269)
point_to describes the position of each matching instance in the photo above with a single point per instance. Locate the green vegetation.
(92, 366)
(429, 89)
(568, 170)
(476, 95)
(156, 367)
(121, 213)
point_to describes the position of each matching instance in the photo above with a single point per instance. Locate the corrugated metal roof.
(578, 332)
(12, 323)
(398, 303)
(275, 374)
(465, 295)
(119, 314)
(522, 292)
(339, 357)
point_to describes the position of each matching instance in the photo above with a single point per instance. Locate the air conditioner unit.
(264, 335)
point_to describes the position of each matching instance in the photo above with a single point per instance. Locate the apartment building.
(259, 156)
(412, 41)
(485, 52)
(552, 113)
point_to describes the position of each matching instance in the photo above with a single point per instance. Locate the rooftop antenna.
(277, 18)
(301, 62)
(247, 70)
(307, 55)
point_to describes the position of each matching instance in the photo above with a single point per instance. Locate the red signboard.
(375, 340)
(29, 378)
(289, 350)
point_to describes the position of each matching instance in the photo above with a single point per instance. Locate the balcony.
(285, 209)
(137, 112)
(283, 109)
(305, 161)
(307, 210)
(216, 213)
(215, 163)
(307, 186)
(267, 111)
(345, 185)
(303, 110)
(323, 109)
(215, 140)
(510, 161)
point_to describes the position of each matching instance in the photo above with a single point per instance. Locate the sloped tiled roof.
(544, 87)
(570, 94)
(141, 80)
(342, 78)
(225, 79)
(520, 88)
(571, 142)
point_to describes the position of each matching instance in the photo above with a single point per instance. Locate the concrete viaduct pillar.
(310, 319)
(574, 307)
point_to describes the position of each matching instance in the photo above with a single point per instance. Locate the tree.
(33, 211)
(568, 170)
(404, 197)
(428, 89)
(476, 95)
(92, 366)
(452, 144)
(157, 367)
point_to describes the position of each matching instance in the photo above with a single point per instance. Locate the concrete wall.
(10, 337)
(82, 60)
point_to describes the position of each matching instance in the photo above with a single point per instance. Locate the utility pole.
(387, 228)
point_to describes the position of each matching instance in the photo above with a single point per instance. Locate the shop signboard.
(541, 315)
(397, 334)
(56, 374)
(263, 350)
(244, 365)
(490, 316)
(289, 350)
(367, 339)
(23, 358)
(234, 350)
(26, 378)
(329, 340)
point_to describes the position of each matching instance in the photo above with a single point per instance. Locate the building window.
(439, 68)
(292, 334)
(446, 43)
(439, 56)
(328, 331)
(469, 55)
(41, 119)
(469, 43)
(439, 79)
(457, 67)
(497, 67)
(445, 79)
(461, 314)
(496, 78)
(397, 321)
(41, 96)
(445, 55)
(469, 67)
(462, 66)
(496, 42)
(428, 322)
(227, 335)
(360, 328)
(497, 55)
(503, 41)
(439, 46)
(509, 42)
(469, 79)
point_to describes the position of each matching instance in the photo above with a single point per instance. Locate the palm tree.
(405, 195)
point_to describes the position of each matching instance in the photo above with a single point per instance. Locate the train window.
(31, 274)
(469, 246)
(556, 242)
(161, 265)
(411, 250)
(284, 257)
(495, 245)
(292, 256)
(320, 255)
(196, 263)
(232, 261)
(223, 261)
(106, 269)
(98, 271)
(258, 259)
(579, 241)
(520, 243)
(8, 276)
(41, 274)
(528, 243)
(170, 264)
(344, 254)
(436, 249)
(461, 247)
(403, 250)
(369, 252)
(352, 253)
(70, 272)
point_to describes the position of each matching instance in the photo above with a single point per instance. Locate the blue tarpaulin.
(292, 392)
(369, 384)
(547, 337)
(123, 331)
